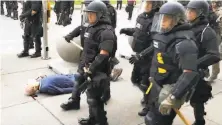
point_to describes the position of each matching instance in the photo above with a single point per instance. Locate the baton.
(124, 57)
(80, 47)
(186, 122)
(182, 117)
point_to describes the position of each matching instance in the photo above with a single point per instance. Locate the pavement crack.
(49, 112)
(23, 71)
(15, 105)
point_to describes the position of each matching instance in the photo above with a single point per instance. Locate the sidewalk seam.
(49, 112)
(23, 71)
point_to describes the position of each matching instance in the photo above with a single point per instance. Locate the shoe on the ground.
(22, 54)
(116, 73)
(199, 122)
(143, 112)
(71, 104)
(35, 55)
(87, 121)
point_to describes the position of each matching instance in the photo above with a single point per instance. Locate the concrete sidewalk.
(18, 109)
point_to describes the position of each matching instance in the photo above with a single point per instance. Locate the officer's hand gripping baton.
(152, 82)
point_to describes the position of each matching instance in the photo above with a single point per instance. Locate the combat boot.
(35, 55)
(23, 54)
(15, 15)
(37, 48)
(199, 122)
(143, 112)
(87, 121)
(71, 104)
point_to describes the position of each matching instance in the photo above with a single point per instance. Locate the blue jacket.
(57, 84)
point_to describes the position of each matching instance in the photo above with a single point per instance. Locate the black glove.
(68, 38)
(204, 73)
(123, 31)
(135, 58)
(21, 18)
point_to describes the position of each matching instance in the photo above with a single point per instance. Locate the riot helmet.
(197, 9)
(106, 1)
(183, 2)
(170, 15)
(149, 5)
(95, 11)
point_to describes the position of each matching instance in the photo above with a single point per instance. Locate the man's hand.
(134, 59)
(123, 31)
(33, 12)
(68, 38)
(87, 73)
(166, 106)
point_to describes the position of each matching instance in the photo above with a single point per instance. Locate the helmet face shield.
(163, 23)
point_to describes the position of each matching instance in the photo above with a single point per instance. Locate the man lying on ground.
(52, 85)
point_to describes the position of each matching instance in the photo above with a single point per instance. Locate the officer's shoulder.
(186, 46)
(209, 33)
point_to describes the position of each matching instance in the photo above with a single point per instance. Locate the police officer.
(206, 40)
(99, 46)
(174, 68)
(9, 8)
(33, 27)
(57, 10)
(2, 7)
(130, 7)
(66, 7)
(216, 24)
(74, 100)
(119, 4)
(15, 10)
(111, 12)
(142, 40)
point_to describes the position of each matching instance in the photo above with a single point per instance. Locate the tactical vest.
(165, 69)
(112, 15)
(142, 37)
(199, 33)
(91, 42)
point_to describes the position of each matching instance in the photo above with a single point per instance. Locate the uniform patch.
(138, 25)
(86, 34)
(156, 44)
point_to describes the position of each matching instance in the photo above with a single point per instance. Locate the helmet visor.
(163, 23)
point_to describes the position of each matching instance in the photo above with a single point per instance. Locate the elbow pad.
(186, 81)
(208, 60)
(99, 61)
(27, 13)
(147, 51)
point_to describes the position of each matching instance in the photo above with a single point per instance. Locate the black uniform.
(119, 4)
(15, 10)
(174, 51)
(2, 7)
(33, 27)
(129, 8)
(57, 9)
(9, 5)
(112, 14)
(66, 8)
(206, 41)
(99, 36)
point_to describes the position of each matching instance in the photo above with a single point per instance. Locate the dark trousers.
(119, 5)
(201, 95)
(154, 117)
(2, 7)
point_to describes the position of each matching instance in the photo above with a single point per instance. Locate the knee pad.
(92, 102)
(149, 118)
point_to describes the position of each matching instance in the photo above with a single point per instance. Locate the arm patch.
(188, 54)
